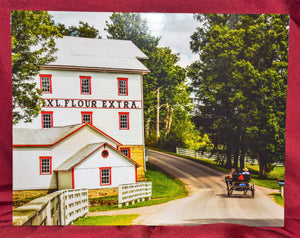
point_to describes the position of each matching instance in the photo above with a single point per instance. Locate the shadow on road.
(247, 222)
(234, 195)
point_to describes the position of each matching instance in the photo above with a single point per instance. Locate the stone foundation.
(97, 193)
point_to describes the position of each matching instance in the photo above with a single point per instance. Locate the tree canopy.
(33, 45)
(241, 78)
(131, 26)
(83, 30)
(166, 96)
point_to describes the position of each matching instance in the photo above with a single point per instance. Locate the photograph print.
(149, 119)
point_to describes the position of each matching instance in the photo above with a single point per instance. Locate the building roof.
(84, 153)
(98, 54)
(23, 137)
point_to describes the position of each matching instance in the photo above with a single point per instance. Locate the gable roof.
(47, 137)
(98, 54)
(86, 152)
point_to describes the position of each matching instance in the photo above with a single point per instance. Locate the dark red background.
(292, 207)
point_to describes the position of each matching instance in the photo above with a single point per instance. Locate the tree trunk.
(168, 120)
(243, 153)
(236, 157)
(262, 166)
(228, 155)
(147, 126)
(157, 116)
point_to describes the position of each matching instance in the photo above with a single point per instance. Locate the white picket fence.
(76, 204)
(134, 192)
(58, 208)
(207, 155)
(187, 152)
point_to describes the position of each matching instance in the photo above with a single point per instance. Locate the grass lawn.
(277, 197)
(164, 189)
(119, 220)
(272, 178)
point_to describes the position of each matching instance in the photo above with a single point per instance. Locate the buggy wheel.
(252, 190)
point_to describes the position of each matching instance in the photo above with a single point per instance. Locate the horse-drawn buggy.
(239, 182)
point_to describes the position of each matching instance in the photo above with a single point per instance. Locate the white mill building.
(90, 133)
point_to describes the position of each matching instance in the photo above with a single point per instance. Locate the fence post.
(135, 192)
(281, 183)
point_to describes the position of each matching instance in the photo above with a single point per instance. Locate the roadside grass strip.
(118, 220)
(164, 188)
(277, 197)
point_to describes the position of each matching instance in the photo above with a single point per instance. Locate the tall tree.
(83, 30)
(159, 85)
(131, 26)
(33, 45)
(163, 79)
(242, 78)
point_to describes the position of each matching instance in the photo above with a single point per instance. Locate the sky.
(174, 29)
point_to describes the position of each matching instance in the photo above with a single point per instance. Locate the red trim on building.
(103, 133)
(124, 113)
(93, 103)
(47, 112)
(90, 82)
(32, 145)
(100, 170)
(142, 95)
(73, 179)
(103, 153)
(94, 69)
(86, 124)
(126, 81)
(136, 173)
(126, 148)
(45, 157)
(48, 76)
(87, 113)
(103, 145)
(87, 156)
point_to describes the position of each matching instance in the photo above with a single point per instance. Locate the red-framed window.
(125, 151)
(124, 120)
(47, 119)
(87, 117)
(45, 165)
(85, 85)
(123, 86)
(105, 176)
(46, 83)
(105, 153)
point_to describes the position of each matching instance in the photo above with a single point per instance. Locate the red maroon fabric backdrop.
(292, 207)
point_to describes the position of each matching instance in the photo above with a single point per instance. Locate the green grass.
(272, 177)
(119, 220)
(164, 189)
(277, 197)
(164, 186)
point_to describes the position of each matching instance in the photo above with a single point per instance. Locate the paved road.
(208, 202)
